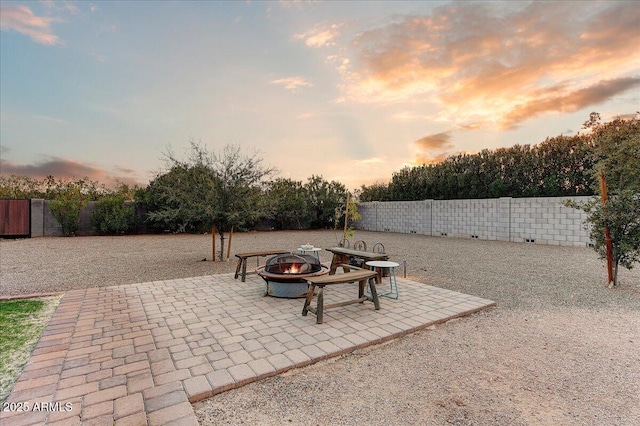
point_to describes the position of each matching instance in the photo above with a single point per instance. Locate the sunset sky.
(352, 91)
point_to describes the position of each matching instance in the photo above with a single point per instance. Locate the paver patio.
(140, 354)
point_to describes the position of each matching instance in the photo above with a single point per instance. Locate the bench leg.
(307, 302)
(319, 315)
(238, 266)
(244, 270)
(374, 294)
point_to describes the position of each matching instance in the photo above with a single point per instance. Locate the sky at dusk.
(352, 91)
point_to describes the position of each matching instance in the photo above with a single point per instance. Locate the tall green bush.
(67, 204)
(557, 167)
(286, 203)
(323, 199)
(114, 216)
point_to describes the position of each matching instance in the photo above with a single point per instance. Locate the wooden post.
(229, 246)
(607, 235)
(346, 218)
(213, 243)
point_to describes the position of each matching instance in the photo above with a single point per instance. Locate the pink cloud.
(61, 168)
(21, 19)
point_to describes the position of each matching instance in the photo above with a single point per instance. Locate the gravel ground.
(560, 348)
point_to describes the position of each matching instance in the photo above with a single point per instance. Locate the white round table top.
(309, 249)
(382, 264)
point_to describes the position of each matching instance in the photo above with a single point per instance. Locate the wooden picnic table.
(341, 257)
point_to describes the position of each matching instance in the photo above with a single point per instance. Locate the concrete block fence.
(44, 224)
(543, 220)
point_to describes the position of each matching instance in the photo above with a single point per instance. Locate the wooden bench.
(241, 268)
(359, 275)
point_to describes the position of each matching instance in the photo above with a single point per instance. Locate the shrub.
(114, 216)
(66, 207)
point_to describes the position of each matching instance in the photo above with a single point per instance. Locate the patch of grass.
(21, 324)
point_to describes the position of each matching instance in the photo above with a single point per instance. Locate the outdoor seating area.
(142, 353)
(290, 276)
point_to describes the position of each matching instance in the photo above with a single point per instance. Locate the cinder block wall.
(542, 220)
(44, 224)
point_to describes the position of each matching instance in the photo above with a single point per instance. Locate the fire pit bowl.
(286, 274)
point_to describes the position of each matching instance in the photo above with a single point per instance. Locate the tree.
(21, 187)
(324, 198)
(378, 191)
(218, 191)
(617, 149)
(113, 215)
(287, 204)
(68, 200)
(347, 213)
(558, 166)
(621, 216)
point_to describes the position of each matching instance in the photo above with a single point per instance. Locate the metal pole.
(213, 243)
(404, 268)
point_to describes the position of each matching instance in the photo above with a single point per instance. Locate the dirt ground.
(560, 348)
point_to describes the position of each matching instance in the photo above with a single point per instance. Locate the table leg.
(374, 295)
(244, 270)
(335, 261)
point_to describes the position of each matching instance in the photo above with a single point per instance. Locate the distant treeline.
(559, 166)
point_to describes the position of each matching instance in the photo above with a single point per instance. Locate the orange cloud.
(572, 101)
(422, 158)
(21, 19)
(437, 142)
(499, 64)
(320, 36)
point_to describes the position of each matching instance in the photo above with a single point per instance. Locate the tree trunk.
(607, 234)
(221, 245)
(229, 246)
(213, 243)
(346, 218)
(615, 276)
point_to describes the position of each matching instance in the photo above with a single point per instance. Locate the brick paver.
(139, 354)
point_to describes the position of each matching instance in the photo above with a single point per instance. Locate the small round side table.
(315, 251)
(379, 265)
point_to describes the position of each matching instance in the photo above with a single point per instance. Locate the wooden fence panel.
(15, 218)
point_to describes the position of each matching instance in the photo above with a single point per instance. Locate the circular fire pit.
(286, 274)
